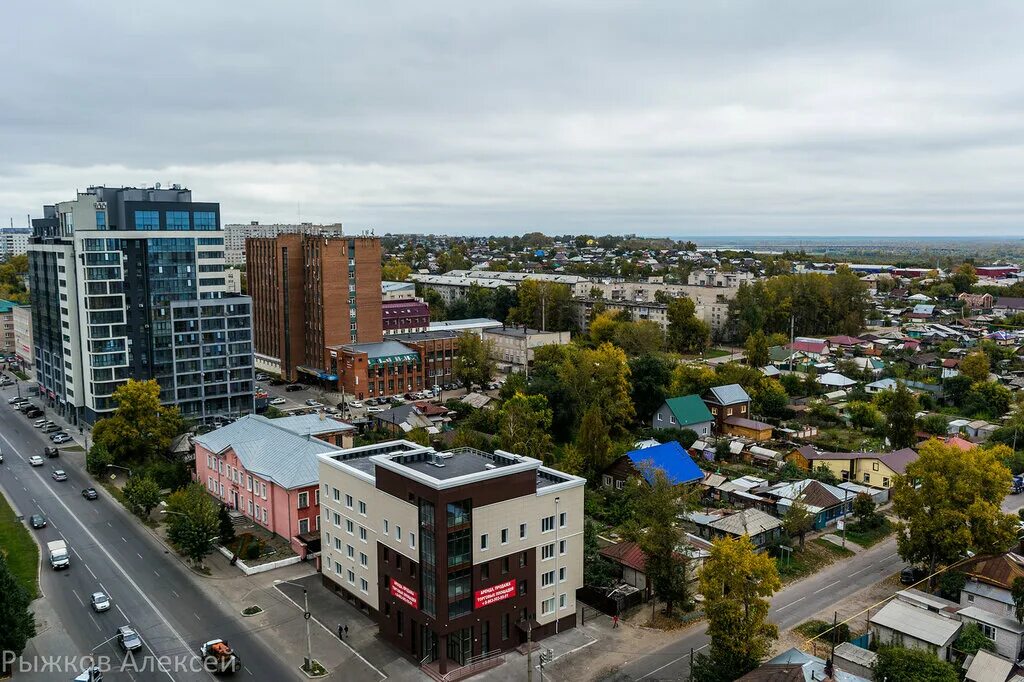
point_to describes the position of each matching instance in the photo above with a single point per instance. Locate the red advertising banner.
(494, 594)
(402, 592)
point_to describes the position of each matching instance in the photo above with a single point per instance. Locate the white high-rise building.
(236, 234)
(14, 241)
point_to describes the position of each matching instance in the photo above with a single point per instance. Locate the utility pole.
(792, 339)
(529, 650)
(846, 494)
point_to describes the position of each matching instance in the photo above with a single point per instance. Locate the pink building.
(407, 315)
(267, 470)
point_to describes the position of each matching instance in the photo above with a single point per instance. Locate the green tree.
(142, 493)
(900, 408)
(192, 521)
(691, 378)
(601, 378)
(951, 583)
(737, 583)
(964, 278)
(956, 388)
(438, 309)
(17, 623)
(976, 366)
(935, 424)
(971, 639)
(13, 275)
(988, 398)
(227, 528)
(650, 375)
(798, 520)
(473, 364)
(657, 511)
(593, 442)
(597, 571)
(863, 415)
(1017, 592)
(912, 665)
(948, 501)
(544, 305)
(604, 326)
(140, 426)
(770, 398)
(757, 349)
(864, 510)
(642, 337)
(395, 271)
(98, 459)
(418, 436)
(824, 474)
(525, 426)
(686, 333)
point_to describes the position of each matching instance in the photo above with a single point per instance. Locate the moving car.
(278, 401)
(128, 638)
(294, 387)
(99, 601)
(90, 494)
(59, 475)
(59, 557)
(218, 657)
(51, 452)
(37, 521)
(35, 460)
(314, 403)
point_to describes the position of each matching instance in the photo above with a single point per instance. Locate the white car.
(100, 602)
(314, 403)
(278, 401)
(15, 399)
(376, 409)
(355, 403)
(39, 423)
(60, 438)
(35, 460)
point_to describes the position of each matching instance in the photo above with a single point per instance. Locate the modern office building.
(310, 292)
(128, 283)
(236, 234)
(457, 554)
(14, 241)
(23, 348)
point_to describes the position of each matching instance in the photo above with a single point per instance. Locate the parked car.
(128, 638)
(294, 387)
(59, 475)
(60, 438)
(33, 412)
(35, 460)
(313, 403)
(912, 574)
(52, 428)
(278, 401)
(99, 602)
(355, 403)
(277, 382)
(14, 399)
(37, 521)
(260, 376)
(90, 494)
(375, 409)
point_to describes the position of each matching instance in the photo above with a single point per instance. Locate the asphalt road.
(112, 552)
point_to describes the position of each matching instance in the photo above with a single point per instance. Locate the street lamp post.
(114, 466)
(305, 616)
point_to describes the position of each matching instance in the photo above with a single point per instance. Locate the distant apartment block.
(311, 292)
(710, 277)
(23, 349)
(512, 347)
(14, 241)
(128, 283)
(397, 291)
(236, 234)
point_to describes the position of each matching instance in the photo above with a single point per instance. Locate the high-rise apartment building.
(235, 235)
(456, 554)
(13, 241)
(311, 291)
(129, 283)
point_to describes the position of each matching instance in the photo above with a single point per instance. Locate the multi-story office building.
(23, 348)
(128, 283)
(456, 554)
(310, 292)
(14, 241)
(406, 315)
(236, 234)
(7, 345)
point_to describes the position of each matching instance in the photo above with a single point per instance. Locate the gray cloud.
(657, 117)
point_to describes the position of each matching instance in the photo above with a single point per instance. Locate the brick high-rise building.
(311, 291)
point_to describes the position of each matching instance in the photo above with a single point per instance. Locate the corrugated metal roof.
(918, 623)
(987, 667)
(729, 394)
(746, 522)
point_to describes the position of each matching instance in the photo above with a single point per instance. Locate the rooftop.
(381, 350)
(918, 623)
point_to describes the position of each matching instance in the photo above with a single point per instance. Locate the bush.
(97, 460)
(253, 550)
(814, 628)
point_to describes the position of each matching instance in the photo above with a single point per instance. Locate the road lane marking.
(123, 540)
(108, 523)
(860, 571)
(126, 618)
(155, 573)
(90, 571)
(196, 615)
(75, 592)
(149, 602)
(176, 595)
(672, 662)
(78, 555)
(826, 587)
(790, 604)
(139, 555)
(890, 556)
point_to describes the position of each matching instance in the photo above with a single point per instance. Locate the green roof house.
(684, 412)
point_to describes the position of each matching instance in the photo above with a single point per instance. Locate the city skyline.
(661, 120)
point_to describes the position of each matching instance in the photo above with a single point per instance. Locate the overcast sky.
(665, 118)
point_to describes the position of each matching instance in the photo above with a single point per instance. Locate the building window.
(364, 586)
(303, 500)
(547, 524)
(562, 519)
(337, 495)
(349, 526)
(303, 525)
(348, 501)
(522, 531)
(485, 571)
(504, 565)
(351, 577)
(522, 559)
(505, 625)
(563, 601)
(398, 532)
(561, 547)
(885, 482)
(867, 477)
(547, 606)
(659, 417)
(412, 540)
(364, 560)
(547, 579)
(606, 480)
(483, 542)
(337, 519)
(350, 551)
(522, 588)
(988, 631)
(362, 507)
(386, 526)
(362, 533)
(147, 220)
(874, 466)
(561, 574)
(504, 536)
(547, 552)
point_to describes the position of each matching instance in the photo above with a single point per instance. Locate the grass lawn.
(815, 555)
(716, 353)
(867, 538)
(20, 549)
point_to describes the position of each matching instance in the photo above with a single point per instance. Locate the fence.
(610, 602)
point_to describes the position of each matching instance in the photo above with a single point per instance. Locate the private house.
(798, 666)
(670, 457)
(684, 412)
(977, 302)
(881, 385)
(827, 503)
(730, 407)
(813, 348)
(268, 472)
(833, 380)
(1003, 630)
(914, 627)
(762, 528)
(987, 667)
(402, 419)
(632, 562)
(990, 581)
(1007, 305)
(876, 469)
(979, 430)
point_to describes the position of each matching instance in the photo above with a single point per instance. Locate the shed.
(914, 628)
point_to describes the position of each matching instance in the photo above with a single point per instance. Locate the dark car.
(90, 494)
(33, 413)
(51, 452)
(294, 387)
(38, 521)
(912, 574)
(277, 382)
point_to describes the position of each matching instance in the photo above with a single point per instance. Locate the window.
(412, 540)
(147, 220)
(867, 477)
(205, 220)
(547, 552)
(248, 483)
(561, 574)
(364, 560)
(362, 507)
(606, 480)
(362, 533)
(547, 606)
(671, 419)
(547, 579)
(522, 531)
(563, 602)
(386, 526)
(264, 516)
(562, 518)
(505, 625)
(659, 417)
(483, 542)
(885, 482)
(504, 536)
(337, 519)
(874, 466)
(349, 526)
(177, 220)
(337, 495)
(988, 630)
(561, 547)
(303, 525)
(522, 588)
(547, 524)
(970, 598)
(364, 586)
(485, 571)
(398, 532)
(337, 568)
(303, 500)
(504, 565)
(619, 485)
(351, 577)
(348, 501)
(522, 559)
(350, 551)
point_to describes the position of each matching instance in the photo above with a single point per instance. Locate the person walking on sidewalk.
(341, 631)
(615, 621)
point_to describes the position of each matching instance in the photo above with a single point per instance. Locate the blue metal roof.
(672, 458)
